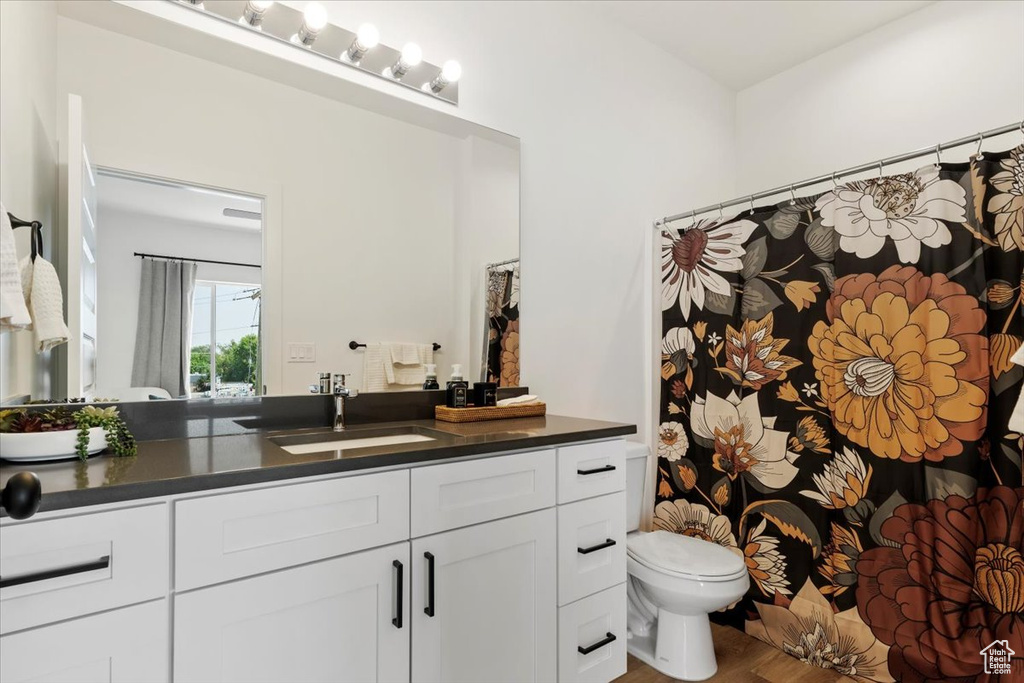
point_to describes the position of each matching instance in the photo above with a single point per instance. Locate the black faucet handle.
(21, 495)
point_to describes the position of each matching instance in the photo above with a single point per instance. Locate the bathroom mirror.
(262, 226)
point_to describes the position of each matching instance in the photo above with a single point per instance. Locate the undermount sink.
(303, 444)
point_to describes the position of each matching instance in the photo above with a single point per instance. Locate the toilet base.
(679, 646)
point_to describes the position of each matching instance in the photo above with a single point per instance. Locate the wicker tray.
(471, 414)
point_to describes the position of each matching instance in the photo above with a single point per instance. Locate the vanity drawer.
(592, 638)
(591, 469)
(218, 538)
(591, 546)
(62, 568)
(463, 493)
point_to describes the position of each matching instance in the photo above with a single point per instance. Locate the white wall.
(119, 236)
(944, 72)
(28, 163)
(615, 132)
(368, 201)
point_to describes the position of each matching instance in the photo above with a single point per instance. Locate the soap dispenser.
(431, 381)
(457, 389)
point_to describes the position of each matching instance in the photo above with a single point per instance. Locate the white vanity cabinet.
(336, 621)
(509, 567)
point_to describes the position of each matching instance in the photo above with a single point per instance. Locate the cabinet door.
(127, 645)
(484, 602)
(344, 619)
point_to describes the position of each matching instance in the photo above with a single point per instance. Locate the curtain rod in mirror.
(197, 260)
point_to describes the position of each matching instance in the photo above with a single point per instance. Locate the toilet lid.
(687, 556)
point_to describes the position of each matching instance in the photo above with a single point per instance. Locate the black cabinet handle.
(101, 563)
(21, 495)
(609, 638)
(594, 548)
(429, 609)
(397, 620)
(596, 470)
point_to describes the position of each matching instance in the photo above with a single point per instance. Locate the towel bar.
(356, 345)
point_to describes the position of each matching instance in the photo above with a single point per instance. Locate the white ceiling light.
(411, 57)
(366, 39)
(451, 72)
(314, 18)
(254, 11)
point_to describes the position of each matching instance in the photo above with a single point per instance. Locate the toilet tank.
(636, 476)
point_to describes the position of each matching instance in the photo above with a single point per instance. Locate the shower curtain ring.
(751, 205)
(835, 183)
(977, 154)
(721, 215)
(880, 167)
(938, 155)
(792, 196)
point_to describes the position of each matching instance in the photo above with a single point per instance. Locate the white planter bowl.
(48, 445)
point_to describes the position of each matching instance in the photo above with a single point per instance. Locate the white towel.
(14, 313)
(405, 364)
(524, 400)
(45, 303)
(373, 368)
(1017, 416)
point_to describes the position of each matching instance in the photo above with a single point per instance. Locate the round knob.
(21, 495)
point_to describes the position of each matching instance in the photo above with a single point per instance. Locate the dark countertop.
(174, 466)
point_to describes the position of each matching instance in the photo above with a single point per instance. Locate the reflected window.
(226, 340)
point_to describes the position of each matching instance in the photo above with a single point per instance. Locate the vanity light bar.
(361, 50)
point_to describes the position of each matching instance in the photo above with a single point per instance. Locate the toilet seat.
(685, 557)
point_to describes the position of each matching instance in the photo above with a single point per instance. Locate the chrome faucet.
(341, 392)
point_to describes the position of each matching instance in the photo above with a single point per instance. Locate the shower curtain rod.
(503, 263)
(924, 151)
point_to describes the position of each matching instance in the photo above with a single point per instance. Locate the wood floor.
(742, 659)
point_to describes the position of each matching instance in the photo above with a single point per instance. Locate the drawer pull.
(92, 566)
(397, 620)
(594, 548)
(429, 609)
(596, 470)
(609, 638)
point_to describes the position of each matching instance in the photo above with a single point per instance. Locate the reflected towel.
(14, 314)
(373, 369)
(45, 303)
(405, 364)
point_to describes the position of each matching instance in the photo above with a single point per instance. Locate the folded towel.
(406, 364)
(45, 303)
(373, 368)
(14, 313)
(524, 400)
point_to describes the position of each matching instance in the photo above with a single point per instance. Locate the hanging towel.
(1017, 416)
(45, 303)
(405, 364)
(14, 313)
(373, 369)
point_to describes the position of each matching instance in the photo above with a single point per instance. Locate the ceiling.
(184, 203)
(740, 43)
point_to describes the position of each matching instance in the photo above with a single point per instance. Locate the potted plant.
(60, 433)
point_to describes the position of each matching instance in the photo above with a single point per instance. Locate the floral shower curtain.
(501, 343)
(836, 389)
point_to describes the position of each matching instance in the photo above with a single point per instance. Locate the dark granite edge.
(63, 500)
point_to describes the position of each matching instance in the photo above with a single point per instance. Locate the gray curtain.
(163, 338)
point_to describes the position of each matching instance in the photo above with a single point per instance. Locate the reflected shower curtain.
(163, 335)
(836, 389)
(501, 342)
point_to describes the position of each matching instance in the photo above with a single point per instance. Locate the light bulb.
(314, 18)
(451, 72)
(368, 36)
(366, 39)
(254, 11)
(411, 56)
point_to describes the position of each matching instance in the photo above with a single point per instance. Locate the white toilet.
(674, 582)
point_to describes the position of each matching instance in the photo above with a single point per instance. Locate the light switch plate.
(301, 352)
